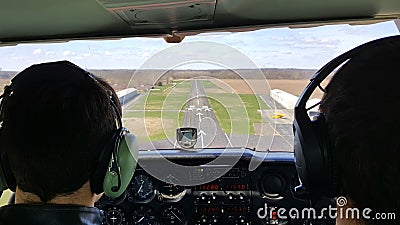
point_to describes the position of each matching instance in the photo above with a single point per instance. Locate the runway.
(273, 135)
(199, 114)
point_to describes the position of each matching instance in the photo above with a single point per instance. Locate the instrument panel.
(239, 197)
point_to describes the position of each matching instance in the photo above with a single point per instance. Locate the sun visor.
(162, 11)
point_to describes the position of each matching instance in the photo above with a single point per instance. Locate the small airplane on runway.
(278, 116)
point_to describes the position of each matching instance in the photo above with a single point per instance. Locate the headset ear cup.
(300, 162)
(313, 156)
(321, 132)
(127, 155)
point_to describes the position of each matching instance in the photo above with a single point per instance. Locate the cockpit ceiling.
(25, 21)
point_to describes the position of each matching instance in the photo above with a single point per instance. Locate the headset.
(118, 158)
(312, 148)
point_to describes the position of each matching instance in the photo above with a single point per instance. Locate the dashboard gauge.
(171, 192)
(143, 216)
(173, 216)
(114, 216)
(142, 188)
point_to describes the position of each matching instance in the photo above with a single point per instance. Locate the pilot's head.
(363, 117)
(55, 121)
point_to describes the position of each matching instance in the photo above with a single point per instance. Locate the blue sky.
(273, 47)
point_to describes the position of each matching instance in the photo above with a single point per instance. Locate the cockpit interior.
(209, 89)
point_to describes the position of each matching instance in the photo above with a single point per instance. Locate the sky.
(308, 48)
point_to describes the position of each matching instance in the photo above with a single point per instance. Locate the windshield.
(236, 89)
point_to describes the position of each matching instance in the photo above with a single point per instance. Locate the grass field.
(253, 103)
(236, 113)
(222, 115)
(158, 112)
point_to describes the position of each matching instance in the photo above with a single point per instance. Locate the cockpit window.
(235, 89)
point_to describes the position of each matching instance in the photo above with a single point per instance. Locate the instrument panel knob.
(273, 185)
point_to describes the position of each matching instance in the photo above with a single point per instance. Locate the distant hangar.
(127, 95)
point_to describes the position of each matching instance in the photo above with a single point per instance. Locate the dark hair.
(54, 128)
(360, 107)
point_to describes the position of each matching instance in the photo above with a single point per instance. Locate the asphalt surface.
(283, 127)
(199, 114)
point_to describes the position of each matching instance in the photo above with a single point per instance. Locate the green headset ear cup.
(127, 155)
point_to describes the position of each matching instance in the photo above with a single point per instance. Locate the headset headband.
(321, 74)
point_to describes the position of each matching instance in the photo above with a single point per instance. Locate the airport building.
(288, 100)
(126, 95)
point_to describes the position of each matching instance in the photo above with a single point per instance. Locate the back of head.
(360, 107)
(55, 122)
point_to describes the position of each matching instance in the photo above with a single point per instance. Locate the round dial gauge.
(114, 216)
(173, 216)
(143, 216)
(172, 191)
(142, 188)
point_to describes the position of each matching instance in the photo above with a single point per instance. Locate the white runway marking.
(199, 114)
(229, 141)
(201, 133)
